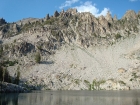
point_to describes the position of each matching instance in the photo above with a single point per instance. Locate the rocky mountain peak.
(130, 15)
(108, 17)
(103, 21)
(72, 11)
(115, 18)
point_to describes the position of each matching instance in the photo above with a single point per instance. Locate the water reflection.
(9, 99)
(72, 98)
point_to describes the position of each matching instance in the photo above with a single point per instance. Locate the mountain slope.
(78, 51)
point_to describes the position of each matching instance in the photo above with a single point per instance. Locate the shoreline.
(12, 88)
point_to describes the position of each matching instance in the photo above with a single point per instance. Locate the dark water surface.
(72, 98)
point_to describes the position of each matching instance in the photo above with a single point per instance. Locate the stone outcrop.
(72, 11)
(22, 47)
(109, 17)
(130, 15)
(9, 30)
(15, 28)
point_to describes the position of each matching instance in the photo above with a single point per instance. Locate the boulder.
(121, 70)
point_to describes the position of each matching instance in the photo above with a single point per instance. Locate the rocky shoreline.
(12, 88)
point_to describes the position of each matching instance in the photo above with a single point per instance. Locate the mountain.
(73, 51)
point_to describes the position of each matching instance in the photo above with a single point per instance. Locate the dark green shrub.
(122, 82)
(15, 41)
(134, 75)
(37, 57)
(6, 46)
(117, 36)
(10, 63)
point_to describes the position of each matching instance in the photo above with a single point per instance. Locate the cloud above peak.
(89, 7)
(68, 3)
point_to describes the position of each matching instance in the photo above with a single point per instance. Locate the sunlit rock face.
(77, 50)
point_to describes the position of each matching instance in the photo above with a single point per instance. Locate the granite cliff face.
(78, 50)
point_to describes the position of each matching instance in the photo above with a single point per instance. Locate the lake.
(72, 98)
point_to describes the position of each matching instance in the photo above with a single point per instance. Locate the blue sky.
(14, 10)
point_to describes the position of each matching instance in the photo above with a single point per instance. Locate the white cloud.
(89, 7)
(133, 0)
(68, 3)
